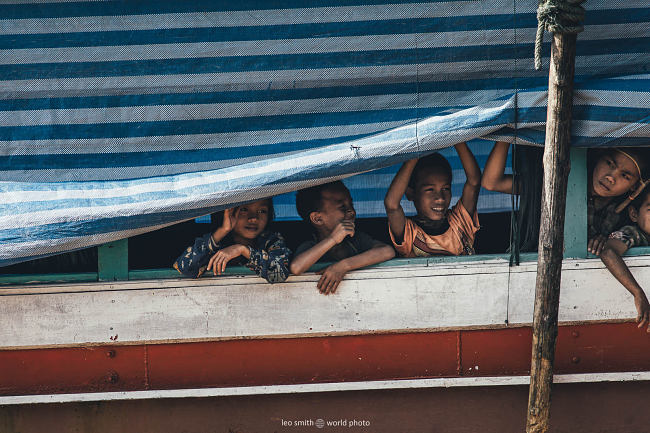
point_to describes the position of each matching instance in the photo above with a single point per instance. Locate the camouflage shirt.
(269, 257)
(632, 236)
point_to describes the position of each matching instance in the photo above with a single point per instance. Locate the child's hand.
(219, 261)
(331, 278)
(229, 219)
(343, 229)
(596, 245)
(643, 310)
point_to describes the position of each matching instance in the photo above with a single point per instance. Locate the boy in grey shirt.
(328, 209)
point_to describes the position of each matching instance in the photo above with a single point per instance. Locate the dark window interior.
(160, 248)
(74, 262)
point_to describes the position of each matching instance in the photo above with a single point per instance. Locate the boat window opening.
(159, 249)
(150, 255)
(81, 261)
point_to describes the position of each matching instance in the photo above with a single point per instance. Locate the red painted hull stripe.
(594, 348)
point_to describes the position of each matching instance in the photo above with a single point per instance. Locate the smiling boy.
(328, 209)
(435, 230)
(619, 242)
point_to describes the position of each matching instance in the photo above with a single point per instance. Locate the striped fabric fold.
(118, 118)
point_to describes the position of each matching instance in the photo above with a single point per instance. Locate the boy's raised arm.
(494, 177)
(396, 190)
(611, 257)
(473, 174)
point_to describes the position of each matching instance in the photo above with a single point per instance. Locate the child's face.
(336, 206)
(432, 194)
(614, 174)
(252, 219)
(642, 216)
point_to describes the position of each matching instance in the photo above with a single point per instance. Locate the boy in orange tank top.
(435, 230)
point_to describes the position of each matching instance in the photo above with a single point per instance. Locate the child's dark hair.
(308, 200)
(434, 161)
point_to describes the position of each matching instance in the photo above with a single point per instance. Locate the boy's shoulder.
(351, 246)
(363, 241)
(305, 245)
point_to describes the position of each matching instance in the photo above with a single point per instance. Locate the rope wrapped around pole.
(557, 16)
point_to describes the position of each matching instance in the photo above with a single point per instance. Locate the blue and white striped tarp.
(369, 189)
(118, 118)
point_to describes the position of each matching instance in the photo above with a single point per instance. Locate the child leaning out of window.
(635, 235)
(616, 174)
(242, 239)
(613, 174)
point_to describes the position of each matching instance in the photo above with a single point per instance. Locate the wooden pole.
(551, 243)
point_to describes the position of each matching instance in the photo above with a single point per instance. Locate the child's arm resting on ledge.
(333, 274)
(611, 257)
(194, 260)
(396, 190)
(494, 177)
(473, 174)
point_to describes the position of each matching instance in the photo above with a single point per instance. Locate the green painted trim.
(638, 251)
(150, 274)
(524, 257)
(399, 261)
(153, 274)
(575, 216)
(47, 278)
(113, 261)
(632, 252)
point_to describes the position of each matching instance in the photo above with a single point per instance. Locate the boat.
(120, 119)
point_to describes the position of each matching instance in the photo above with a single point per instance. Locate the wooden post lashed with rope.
(556, 172)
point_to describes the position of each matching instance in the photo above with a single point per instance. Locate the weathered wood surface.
(551, 242)
(464, 295)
